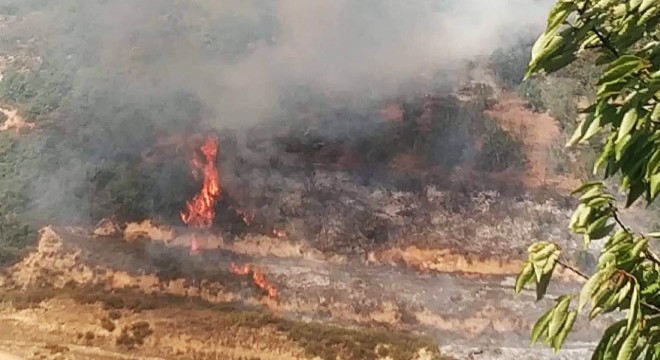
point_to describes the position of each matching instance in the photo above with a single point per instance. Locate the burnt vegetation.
(97, 152)
(101, 148)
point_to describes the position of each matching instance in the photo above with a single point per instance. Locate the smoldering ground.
(113, 76)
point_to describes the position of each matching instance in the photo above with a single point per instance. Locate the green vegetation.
(509, 64)
(625, 38)
(500, 151)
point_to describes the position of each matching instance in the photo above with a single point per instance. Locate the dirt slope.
(538, 131)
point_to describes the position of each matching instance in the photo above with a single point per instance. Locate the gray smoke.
(122, 73)
(242, 59)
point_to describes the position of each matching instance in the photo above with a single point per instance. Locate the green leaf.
(646, 4)
(579, 132)
(606, 259)
(605, 299)
(606, 154)
(650, 13)
(563, 333)
(543, 256)
(655, 114)
(541, 325)
(597, 225)
(548, 46)
(633, 315)
(626, 351)
(525, 276)
(621, 67)
(640, 246)
(542, 285)
(542, 252)
(558, 15)
(653, 235)
(586, 187)
(558, 62)
(627, 124)
(559, 316)
(653, 165)
(621, 146)
(594, 127)
(594, 191)
(654, 182)
(619, 236)
(592, 285)
(623, 292)
(574, 223)
(608, 338)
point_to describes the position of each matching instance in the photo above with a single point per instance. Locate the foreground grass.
(328, 342)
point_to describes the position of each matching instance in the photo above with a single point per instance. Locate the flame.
(257, 276)
(200, 211)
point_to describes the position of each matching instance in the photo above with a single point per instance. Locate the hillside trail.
(538, 132)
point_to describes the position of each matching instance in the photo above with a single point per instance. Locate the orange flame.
(200, 211)
(257, 276)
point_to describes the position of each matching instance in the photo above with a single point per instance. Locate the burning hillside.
(271, 180)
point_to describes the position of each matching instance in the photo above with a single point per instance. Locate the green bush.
(530, 91)
(39, 91)
(500, 151)
(509, 64)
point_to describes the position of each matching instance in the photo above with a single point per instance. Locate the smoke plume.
(120, 73)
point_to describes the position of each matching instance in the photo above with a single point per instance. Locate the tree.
(624, 36)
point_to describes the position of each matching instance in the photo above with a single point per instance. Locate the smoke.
(243, 59)
(123, 72)
(368, 49)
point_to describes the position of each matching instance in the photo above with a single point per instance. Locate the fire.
(257, 276)
(200, 211)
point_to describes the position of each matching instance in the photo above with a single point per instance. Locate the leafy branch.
(626, 111)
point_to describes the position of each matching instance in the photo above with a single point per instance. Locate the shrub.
(530, 91)
(500, 151)
(510, 63)
(108, 324)
(134, 335)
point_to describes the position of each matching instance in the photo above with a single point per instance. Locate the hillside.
(250, 180)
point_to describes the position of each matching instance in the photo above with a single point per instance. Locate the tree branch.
(606, 42)
(574, 270)
(615, 215)
(603, 39)
(584, 276)
(647, 253)
(647, 305)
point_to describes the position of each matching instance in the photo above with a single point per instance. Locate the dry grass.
(324, 341)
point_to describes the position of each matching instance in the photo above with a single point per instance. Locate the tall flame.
(200, 211)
